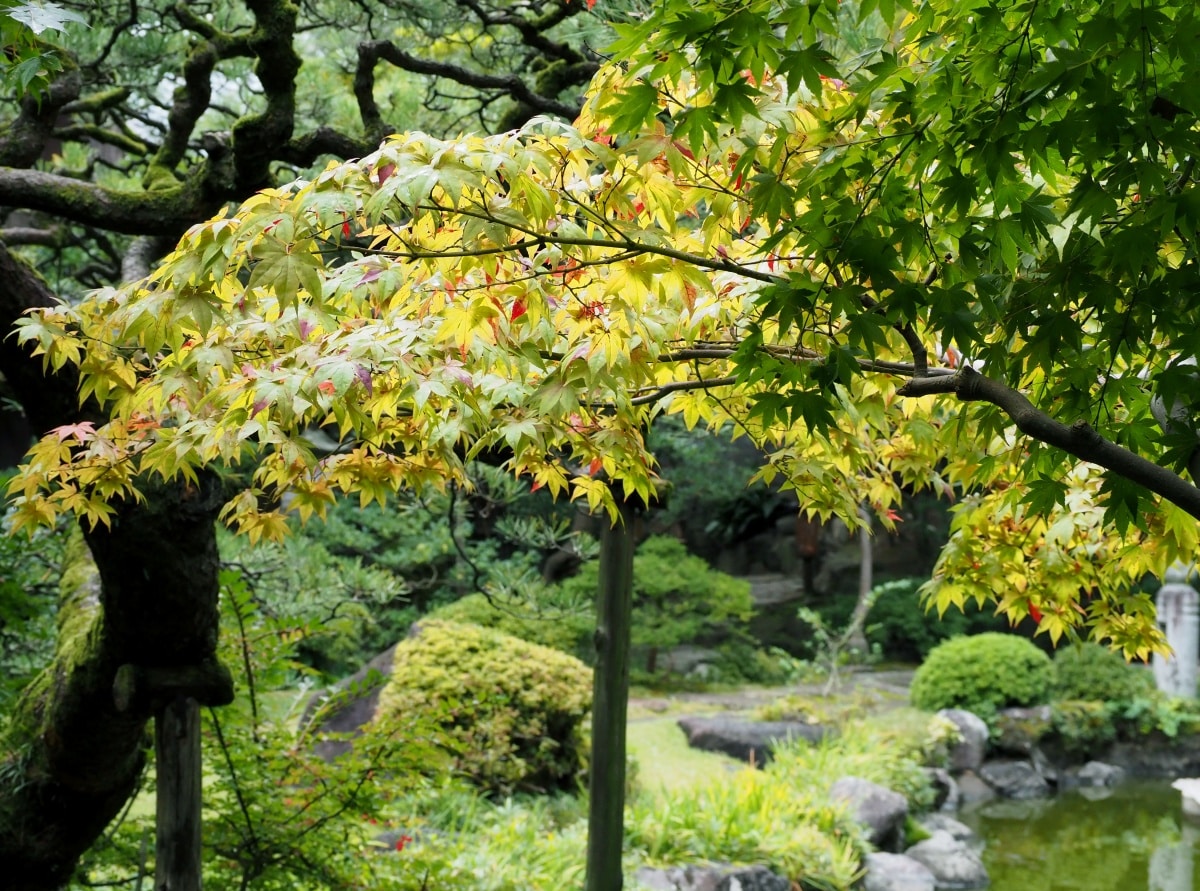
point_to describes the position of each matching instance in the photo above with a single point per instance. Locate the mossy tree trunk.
(71, 759)
(143, 592)
(606, 786)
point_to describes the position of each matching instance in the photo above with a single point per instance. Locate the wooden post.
(174, 694)
(610, 699)
(177, 827)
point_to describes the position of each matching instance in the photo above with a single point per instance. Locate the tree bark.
(71, 758)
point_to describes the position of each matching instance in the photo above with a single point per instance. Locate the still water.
(1131, 838)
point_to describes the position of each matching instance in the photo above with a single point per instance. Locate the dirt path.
(882, 689)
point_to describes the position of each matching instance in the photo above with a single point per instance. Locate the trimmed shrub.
(982, 674)
(564, 630)
(1082, 729)
(1092, 672)
(510, 713)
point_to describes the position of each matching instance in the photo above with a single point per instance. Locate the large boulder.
(896, 872)
(336, 715)
(972, 789)
(932, 823)
(749, 741)
(1018, 730)
(877, 807)
(1015, 779)
(954, 863)
(946, 794)
(1094, 774)
(968, 752)
(1158, 755)
(711, 877)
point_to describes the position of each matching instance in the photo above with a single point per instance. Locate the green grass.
(665, 762)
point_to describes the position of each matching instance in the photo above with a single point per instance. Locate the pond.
(1131, 838)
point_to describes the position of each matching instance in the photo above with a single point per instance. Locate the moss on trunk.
(144, 593)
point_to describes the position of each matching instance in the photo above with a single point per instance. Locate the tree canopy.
(741, 227)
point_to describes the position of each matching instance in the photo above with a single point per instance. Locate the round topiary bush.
(510, 713)
(1092, 672)
(983, 673)
(564, 630)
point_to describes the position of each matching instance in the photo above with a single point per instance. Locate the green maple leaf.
(39, 16)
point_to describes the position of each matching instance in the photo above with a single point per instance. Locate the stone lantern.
(1178, 606)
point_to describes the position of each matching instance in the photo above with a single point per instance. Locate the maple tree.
(549, 291)
(959, 255)
(115, 137)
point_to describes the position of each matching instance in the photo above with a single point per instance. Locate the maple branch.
(536, 238)
(1078, 439)
(805, 354)
(704, 383)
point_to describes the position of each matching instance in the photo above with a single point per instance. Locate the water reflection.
(1131, 838)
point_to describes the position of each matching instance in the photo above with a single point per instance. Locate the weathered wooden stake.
(177, 761)
(174, 695)
(610, 700)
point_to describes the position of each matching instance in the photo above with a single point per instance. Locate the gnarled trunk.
(70, 758)
(143, 593)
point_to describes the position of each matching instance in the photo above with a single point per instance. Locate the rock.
(953, 863)
(1044, 766)
(655, 705)
(754, 878)
(972, 790)
(896, 872)
(945, 789)
(1158, 755)
(1094, 774)
(687, 659)
(1018, 730)
(877, 807)
(958, 831)
(968, 753)
(347, 706)
(1015, 779)
(711, 877)
(749, 741)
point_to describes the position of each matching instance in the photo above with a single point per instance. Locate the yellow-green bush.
(510, 713)
(1089, 671)
(559, 629)
(983, 673)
